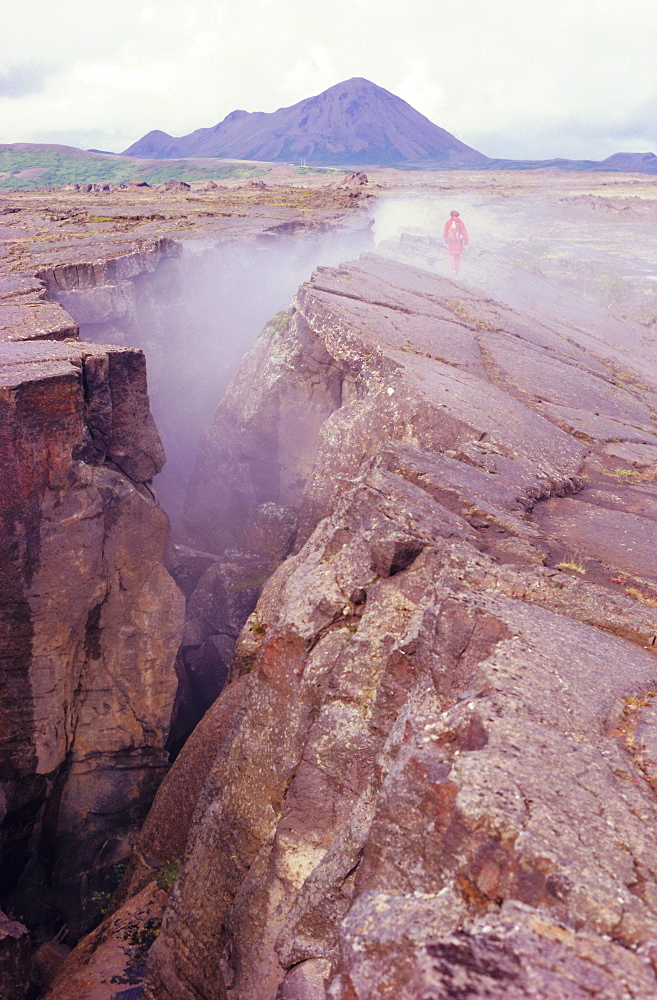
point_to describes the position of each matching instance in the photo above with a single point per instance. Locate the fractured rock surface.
(90, 621)
(438, 780)
(90, 618)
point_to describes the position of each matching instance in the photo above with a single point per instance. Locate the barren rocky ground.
(415, 548)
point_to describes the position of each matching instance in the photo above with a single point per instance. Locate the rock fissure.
(438, 609)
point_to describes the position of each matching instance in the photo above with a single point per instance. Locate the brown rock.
(87, 669)
(355, 180)
(47, 961)
(14, 959)
(25, 315)
(111, 959)
(163, 837)
(400, 951)
(441, 775)
(432, 709)
(306, 981)
(174, 186)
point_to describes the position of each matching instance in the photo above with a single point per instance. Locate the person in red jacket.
(456, 239)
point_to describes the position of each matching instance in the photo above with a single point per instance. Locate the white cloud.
(311, 74)
(511, 77)
(422, 90)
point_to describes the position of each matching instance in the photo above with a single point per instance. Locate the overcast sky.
(513, 78)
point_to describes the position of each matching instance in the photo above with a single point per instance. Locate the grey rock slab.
(641, 455)
(35, 320)
(542, 375)
(597, 426)
(394, 948)
(620, 539)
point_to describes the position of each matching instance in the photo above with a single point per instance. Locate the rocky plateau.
(401, 643)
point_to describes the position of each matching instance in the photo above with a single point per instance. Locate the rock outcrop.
(105, 296)
(26, 313)
(90, 618)
(437, 774)
(90, 623)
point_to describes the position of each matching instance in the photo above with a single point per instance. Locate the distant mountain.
(635, 162)
(353, 123)
(632, 163)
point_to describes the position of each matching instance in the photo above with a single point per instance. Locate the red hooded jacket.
(455, 235)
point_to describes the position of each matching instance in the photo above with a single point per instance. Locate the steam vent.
(354, 698)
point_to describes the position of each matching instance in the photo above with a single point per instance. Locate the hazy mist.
(219, 299)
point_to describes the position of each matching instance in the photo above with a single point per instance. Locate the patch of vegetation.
(625, 297)
(168, 874)
(610, 286)
(631, 715)
(528, 265)
(56, 169)
(139, 940)
(112, 880)
(183, 172)
(255, 582)
(280, 322)
(459, 309)
(574, 564)
(634, 703)
(640, 595)
(101, 897)
(634, 475)
(408, 349)
(320, 170)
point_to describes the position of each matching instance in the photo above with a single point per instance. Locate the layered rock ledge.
(432, 772)
(90, 622)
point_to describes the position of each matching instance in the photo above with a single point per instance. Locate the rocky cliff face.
(90, 620)
(90, 623)
(433, 772)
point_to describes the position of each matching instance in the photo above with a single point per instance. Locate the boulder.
(174, 187)
(355, 180)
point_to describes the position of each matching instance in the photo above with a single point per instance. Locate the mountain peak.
(352, 123)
